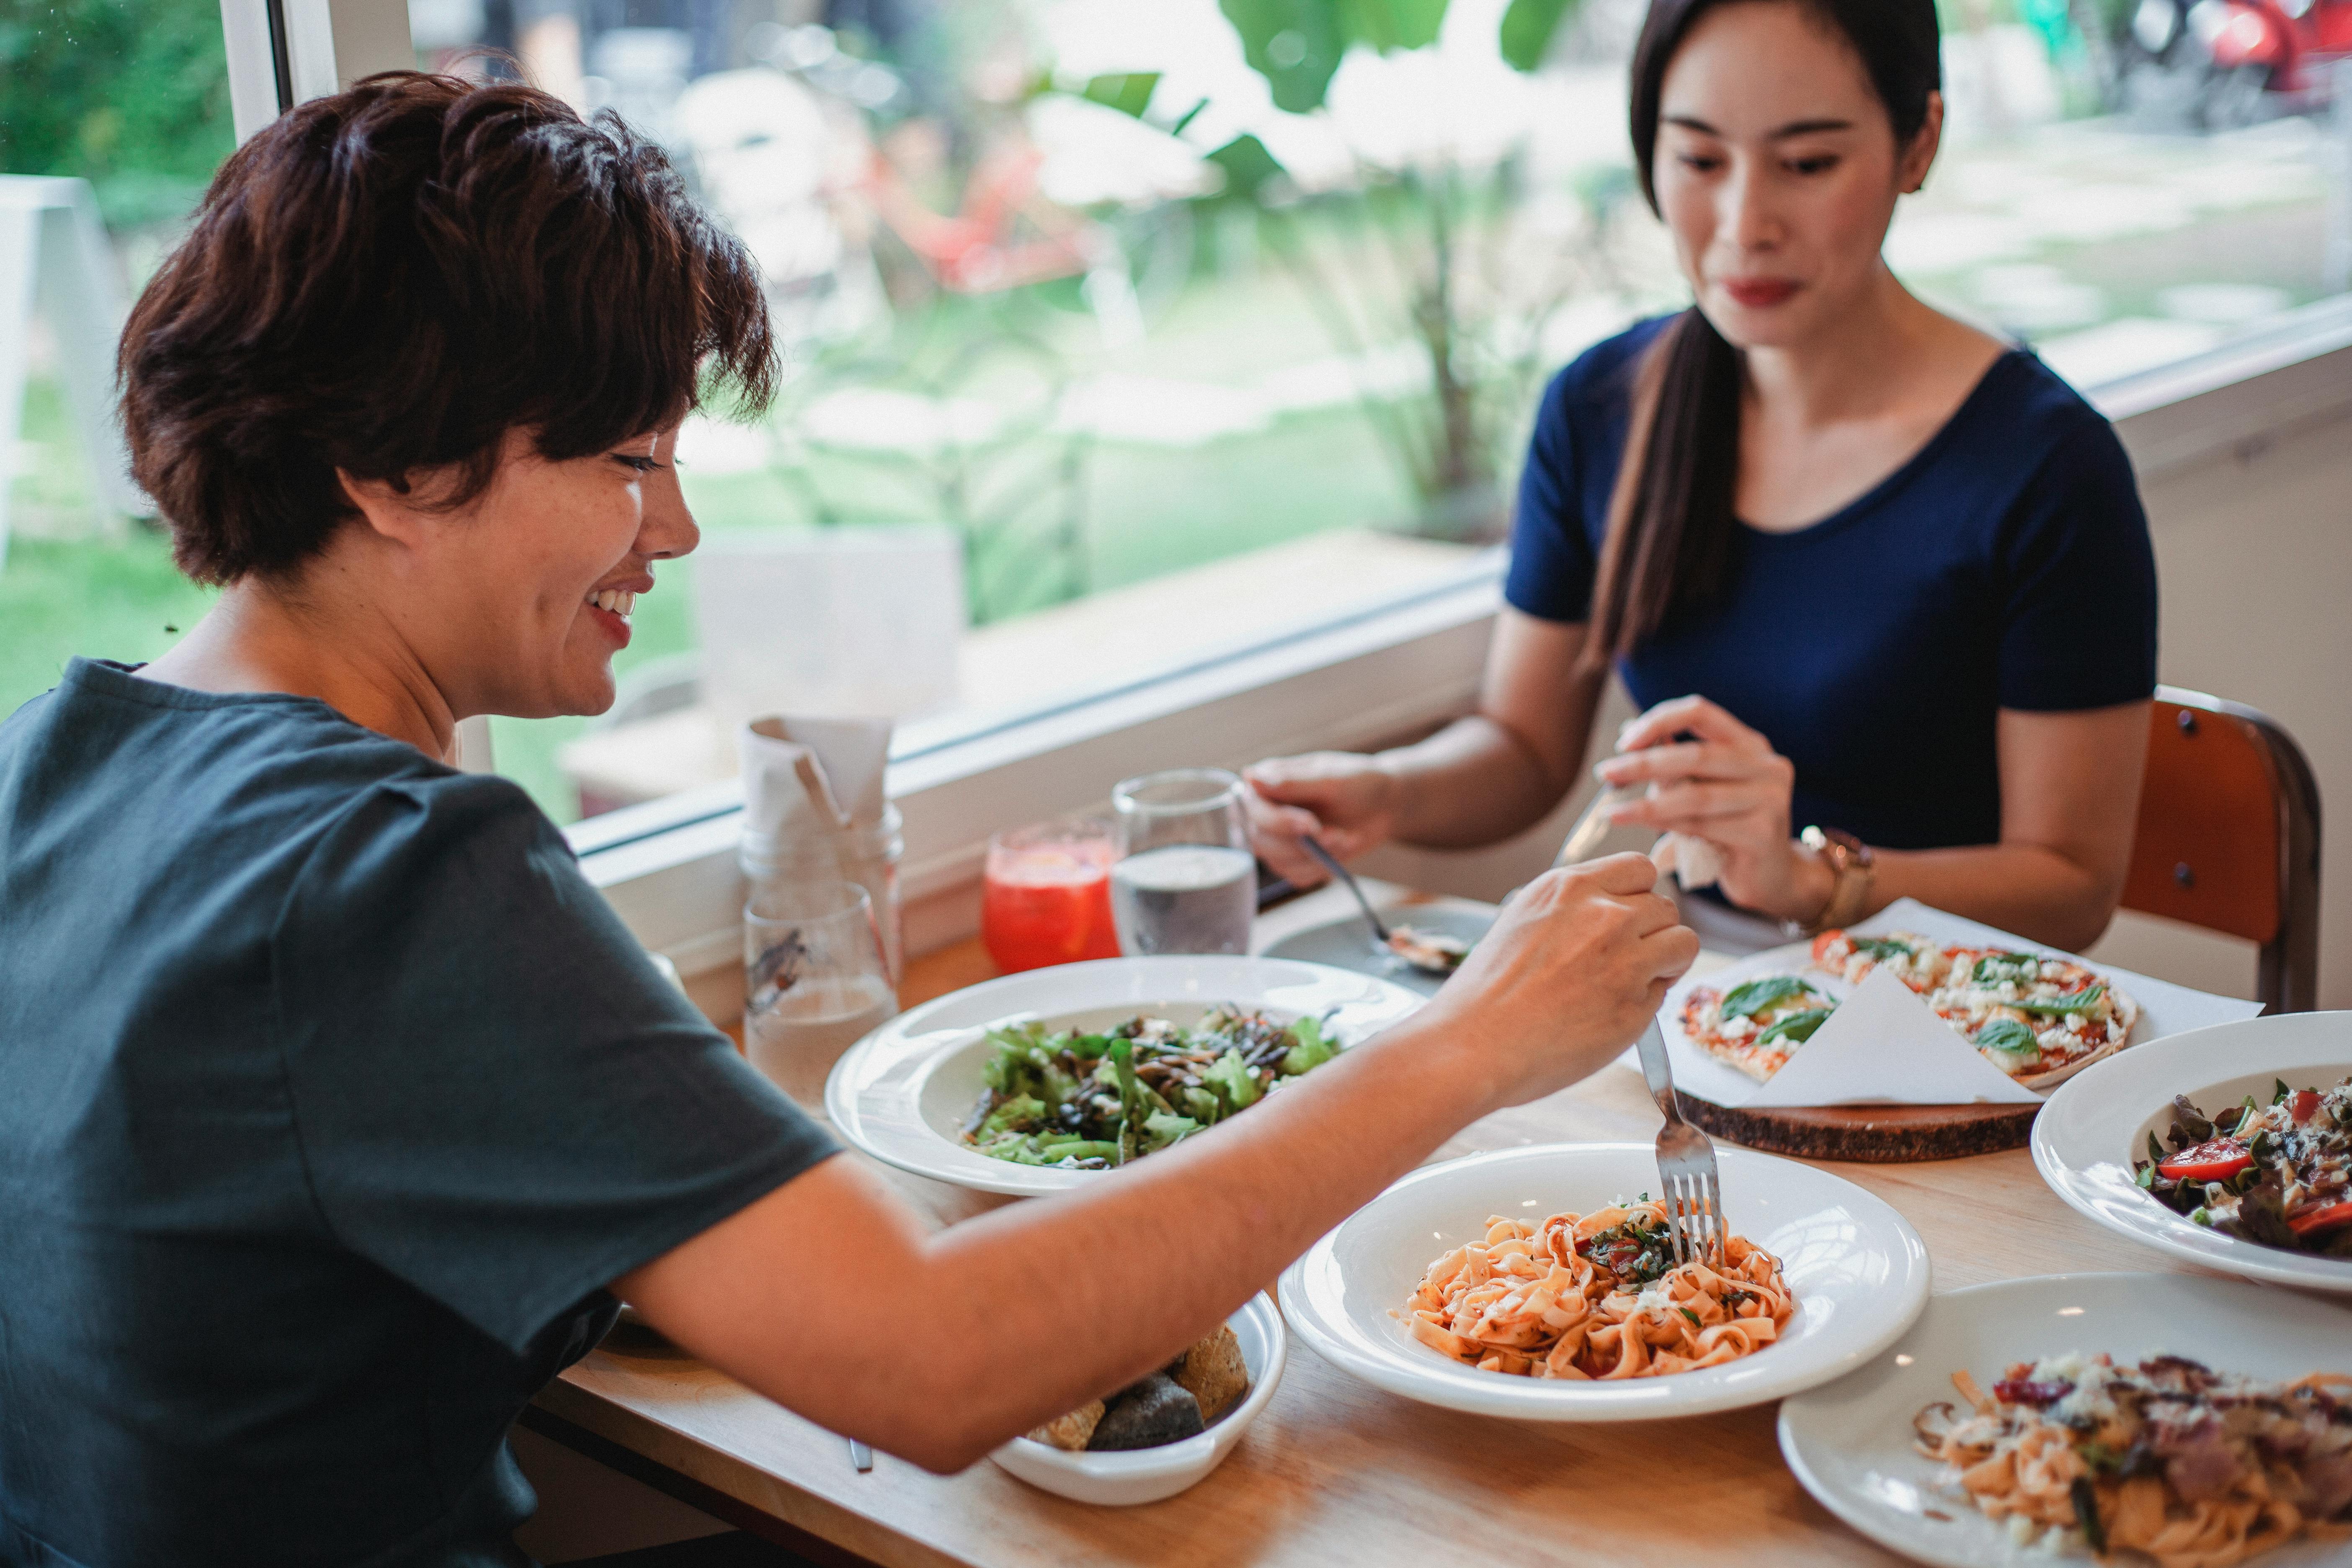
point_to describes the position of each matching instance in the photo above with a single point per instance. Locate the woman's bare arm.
(1479, 780)
(830, 1299)
(2070, 788)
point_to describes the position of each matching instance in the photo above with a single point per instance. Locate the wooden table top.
(1334, 1470)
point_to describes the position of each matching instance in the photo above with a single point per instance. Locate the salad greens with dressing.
(1084, 1100)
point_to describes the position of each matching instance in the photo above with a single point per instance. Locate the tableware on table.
(1146, 1475)
(1342, 943)
(1185, 881)
(1410, 947)
(904, 1093)
(1858, 1271)
(814, 981)
(1685, 1162)
(1591, 826)
(2098, 1122)
(1346, 879)
(1045, 895)
(1848, 1442)
(861, 1458)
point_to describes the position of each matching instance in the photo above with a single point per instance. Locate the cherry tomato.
(2326, 1217)
(2217, 1161)
(2301, 1104)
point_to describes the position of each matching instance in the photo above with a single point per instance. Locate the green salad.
(1086, 1101)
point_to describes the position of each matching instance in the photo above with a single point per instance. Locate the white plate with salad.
(1042, 1081)
(2248, 1172)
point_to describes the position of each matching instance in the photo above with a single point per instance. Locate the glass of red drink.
(1045, 898)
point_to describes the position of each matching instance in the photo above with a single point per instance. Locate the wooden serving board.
(1877, 1134)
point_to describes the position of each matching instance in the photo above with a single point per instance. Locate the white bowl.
(1859, 1272)
(1850, 1442)
(2085, 1139)
(1146, 1474)
(904, 1092)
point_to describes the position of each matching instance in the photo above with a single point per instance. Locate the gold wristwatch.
(1852, 868)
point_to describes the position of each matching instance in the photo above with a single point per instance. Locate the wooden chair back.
(2229, 837)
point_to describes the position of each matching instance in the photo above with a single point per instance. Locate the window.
(112, 115)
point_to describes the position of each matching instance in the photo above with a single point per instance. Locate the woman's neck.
(1863, 361)
(258, 637)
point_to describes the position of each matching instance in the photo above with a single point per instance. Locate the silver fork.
(1685, 1165)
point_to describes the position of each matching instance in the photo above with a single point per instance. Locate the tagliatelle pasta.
(1597, 1297)
(2195, 1468)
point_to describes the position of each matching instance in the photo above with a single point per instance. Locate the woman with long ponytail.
(1865, 568)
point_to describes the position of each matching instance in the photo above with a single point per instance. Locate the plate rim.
(998, 1176)
(2079, 1187)
(1867, 1524)
(1310, 1331)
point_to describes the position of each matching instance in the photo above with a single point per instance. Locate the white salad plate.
(2087, 1136)
(1858, 1271)
(904, 1092)
(1146, 1475)
(1850, 1443)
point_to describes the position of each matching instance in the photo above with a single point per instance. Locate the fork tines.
(1697, 1224)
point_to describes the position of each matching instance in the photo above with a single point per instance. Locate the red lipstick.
(1761, 293)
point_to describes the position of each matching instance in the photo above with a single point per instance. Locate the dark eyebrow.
(1794, 128)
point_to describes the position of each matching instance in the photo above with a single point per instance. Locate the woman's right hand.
(1347, 800)
(1576, 966)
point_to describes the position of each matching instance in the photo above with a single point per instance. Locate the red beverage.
(1046, 897)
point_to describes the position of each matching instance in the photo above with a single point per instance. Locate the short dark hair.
(390, 280)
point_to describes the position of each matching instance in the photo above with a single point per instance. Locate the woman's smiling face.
(531, 586)
(1776, 170)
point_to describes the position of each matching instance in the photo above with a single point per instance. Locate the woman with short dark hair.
(338, 1103)
(1867, 569)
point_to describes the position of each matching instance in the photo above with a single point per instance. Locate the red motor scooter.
(2244, 56)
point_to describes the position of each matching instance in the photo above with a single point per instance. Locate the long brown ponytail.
(1671, 525)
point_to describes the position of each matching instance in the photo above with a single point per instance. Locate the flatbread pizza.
(2039, 1017)
(1758, 1024)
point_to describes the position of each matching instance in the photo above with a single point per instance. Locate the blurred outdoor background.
(1102, 290)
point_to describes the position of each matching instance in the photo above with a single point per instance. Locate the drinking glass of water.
(1185, 881)
(814, 982)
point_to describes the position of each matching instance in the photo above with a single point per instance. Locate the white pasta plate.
(1146, 1475)
(904, 1092)
(1850, 1442)
(1857, 1269)
(2086, 1137)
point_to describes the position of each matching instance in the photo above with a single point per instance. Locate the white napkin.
(1695, 862)
(809, 780)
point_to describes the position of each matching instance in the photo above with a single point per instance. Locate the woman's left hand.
(1710, 777)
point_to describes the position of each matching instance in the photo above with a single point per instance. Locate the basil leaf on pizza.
(1797, 1027)
(1754, 1025)
(1746, 1001)
(2007, 968)
(2080, 1002)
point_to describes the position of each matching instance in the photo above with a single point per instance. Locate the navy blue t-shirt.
(332, 1096)
(2007, 564)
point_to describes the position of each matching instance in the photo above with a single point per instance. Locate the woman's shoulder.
(2025, 406)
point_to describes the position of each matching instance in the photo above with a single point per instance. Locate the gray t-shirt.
(332, 1096)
